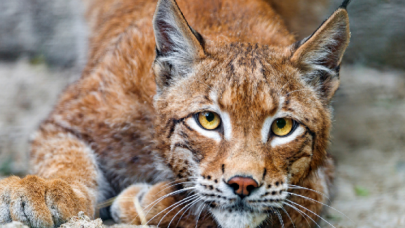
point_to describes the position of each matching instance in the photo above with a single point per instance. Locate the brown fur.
(301, 17)
(108, 131)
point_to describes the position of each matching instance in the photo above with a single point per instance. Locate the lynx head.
(240, 122)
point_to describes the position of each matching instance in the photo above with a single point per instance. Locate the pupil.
(209, 116)
(281, 123)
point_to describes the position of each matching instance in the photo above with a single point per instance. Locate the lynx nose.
(242, 186)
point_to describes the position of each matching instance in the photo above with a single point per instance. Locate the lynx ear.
(319, 56)
(178, 46)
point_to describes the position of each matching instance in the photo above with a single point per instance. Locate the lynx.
(223, 124)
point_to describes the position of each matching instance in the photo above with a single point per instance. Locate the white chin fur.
(236, 219)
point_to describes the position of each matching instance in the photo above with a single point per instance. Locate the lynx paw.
(138, 203)
(37, 202)
(125, 207)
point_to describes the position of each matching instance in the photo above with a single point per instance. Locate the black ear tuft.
(344, 4)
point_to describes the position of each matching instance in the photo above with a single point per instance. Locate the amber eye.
(209, 120)
(282, 126)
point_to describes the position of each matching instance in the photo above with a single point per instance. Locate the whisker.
(109, 202)
(207, 214)
(160, 199)
(172, 185)
(165, 196)
(177, 203)
(319, 203)
(181, 202)
(311, 212)
(285, 211)
(312, 190)
(106, 203)
(187, 210)
(267, 223)
(271, 217)
(302, 214)
(280, 218)
(198, 218)
(180, 180)
(188, 206)
(177, 180)
(171, 182)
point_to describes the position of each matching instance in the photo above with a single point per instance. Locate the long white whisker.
(165, 196)
(169, 194)
(198, 218)
(319, 203)
(191, 199)
(267, 222)
(162, 198)
(311, 212)
(302, 213)
(280, 218)
(171, 182)
(180, 180)
(312, 190)
(207, 214)
(285, 211)
(175, 205)
(199, 200)
(271, 217)
(172, 185)
(187, 206)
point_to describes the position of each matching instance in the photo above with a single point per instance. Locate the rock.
(81, 221)
(14, 225)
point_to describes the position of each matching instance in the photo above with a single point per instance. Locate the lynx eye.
(282, 126)
(209, 120)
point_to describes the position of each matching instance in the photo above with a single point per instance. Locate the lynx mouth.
(240, 215)
(250, 206)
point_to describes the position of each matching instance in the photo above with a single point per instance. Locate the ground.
(368, 137)
(368, 143)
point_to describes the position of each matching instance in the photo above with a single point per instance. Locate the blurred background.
(43, 47)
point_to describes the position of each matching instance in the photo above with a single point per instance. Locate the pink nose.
(242, 186)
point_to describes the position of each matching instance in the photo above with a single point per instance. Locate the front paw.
(141, 203)
(125, 208)
(37, 202)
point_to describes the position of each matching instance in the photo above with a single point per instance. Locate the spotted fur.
(128, 126)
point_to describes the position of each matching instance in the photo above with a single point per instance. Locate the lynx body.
(222, 119)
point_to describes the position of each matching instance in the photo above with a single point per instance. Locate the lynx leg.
(65, 184)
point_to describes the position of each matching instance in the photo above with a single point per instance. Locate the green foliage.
(361, 191)
(6, 166)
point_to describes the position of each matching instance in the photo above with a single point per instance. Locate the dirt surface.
(368, 137)
(368, 143)
(80, 221)
(27, 94)
(56, 30)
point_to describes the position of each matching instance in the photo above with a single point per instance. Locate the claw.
(38, 202)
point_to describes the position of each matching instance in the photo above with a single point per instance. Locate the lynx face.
(240, 122)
